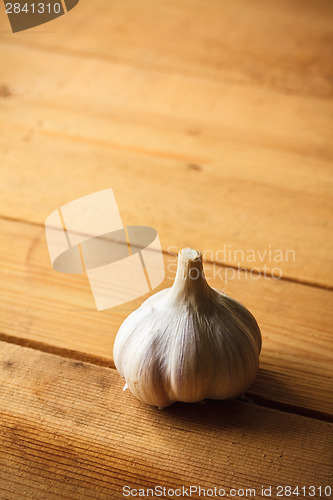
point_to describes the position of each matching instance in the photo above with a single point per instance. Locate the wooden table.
(212, 122)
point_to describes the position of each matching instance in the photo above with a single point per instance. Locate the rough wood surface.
(212, 122)
(239, 139)
(285, 46)
(56, 312)
(68, 431)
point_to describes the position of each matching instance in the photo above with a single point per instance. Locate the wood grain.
(203, 206)
(241, 144)
(212, 122)
(56, 312)
(68, 431)
(285, 46)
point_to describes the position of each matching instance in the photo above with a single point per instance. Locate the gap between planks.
(243, 268)
(68, 429)
(295, 362)
(248, 397)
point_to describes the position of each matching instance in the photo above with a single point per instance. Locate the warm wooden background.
(212, 121)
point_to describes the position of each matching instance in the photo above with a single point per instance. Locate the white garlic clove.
(189, 342)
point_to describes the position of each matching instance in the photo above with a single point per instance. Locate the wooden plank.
(68, 431)
(252, 204)
(56, 312)
(285, 46)
(249, 150)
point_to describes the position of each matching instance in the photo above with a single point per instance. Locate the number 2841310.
(33, 8)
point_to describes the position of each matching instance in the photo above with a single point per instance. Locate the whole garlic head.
(189, 342)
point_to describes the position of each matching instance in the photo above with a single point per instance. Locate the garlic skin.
(189, 342)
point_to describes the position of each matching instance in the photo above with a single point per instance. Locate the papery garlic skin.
(189, 342)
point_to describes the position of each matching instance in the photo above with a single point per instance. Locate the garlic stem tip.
(189, 253)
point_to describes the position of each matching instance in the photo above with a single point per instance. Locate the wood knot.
(8, 364)
(5, 92)
(194, 166)
(194, 131)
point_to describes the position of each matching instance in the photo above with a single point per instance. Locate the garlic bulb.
(189, 342)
